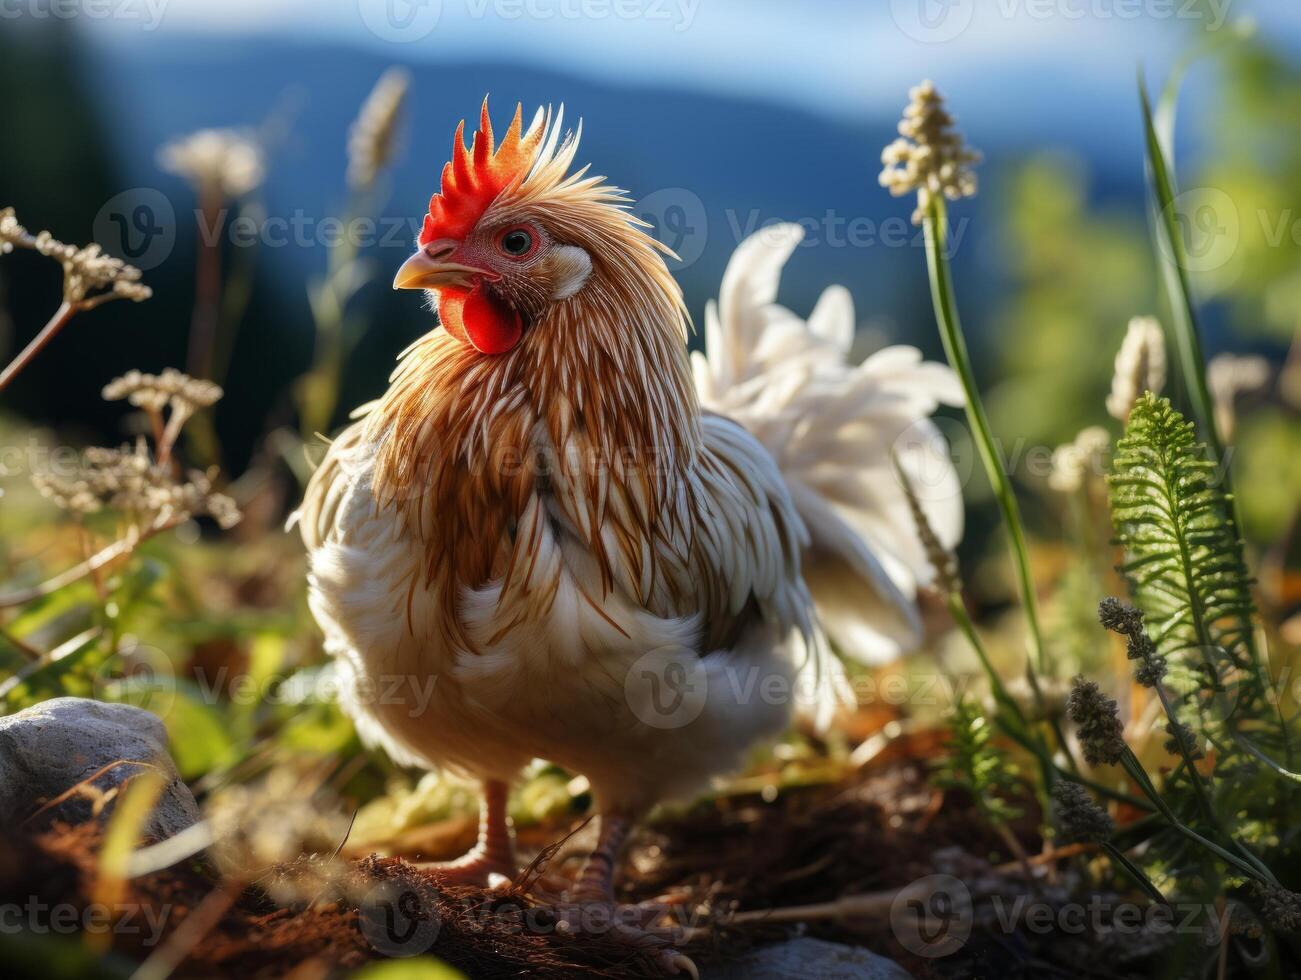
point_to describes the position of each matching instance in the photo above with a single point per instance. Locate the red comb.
(475, 176)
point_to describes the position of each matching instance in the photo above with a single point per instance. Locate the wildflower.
(1140, 366)
(1228, 376)
(128, 480)
(1077, 816)
(172, 387)
(929, 157)
(90, 276)
(941, 559)
(218, 163)
(1074, 461)
(11, 232)
(371, 139)
(1097, 723)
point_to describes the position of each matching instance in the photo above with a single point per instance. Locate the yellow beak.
(431, 268)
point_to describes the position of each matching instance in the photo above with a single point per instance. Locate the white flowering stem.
(207, 288)
(57, 322)
(935, 223)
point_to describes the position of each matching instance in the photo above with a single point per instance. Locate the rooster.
(564, 525)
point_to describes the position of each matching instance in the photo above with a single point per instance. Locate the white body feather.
(799, 514)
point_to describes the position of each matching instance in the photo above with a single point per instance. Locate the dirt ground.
(721, 868)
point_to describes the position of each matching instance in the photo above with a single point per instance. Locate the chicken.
(587, 554)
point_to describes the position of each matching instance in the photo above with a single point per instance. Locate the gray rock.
(809, 959)
(52, 746)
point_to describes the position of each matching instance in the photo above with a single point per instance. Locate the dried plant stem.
(207, 289)
(57, 322)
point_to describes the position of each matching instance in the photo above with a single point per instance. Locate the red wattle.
(479, 318)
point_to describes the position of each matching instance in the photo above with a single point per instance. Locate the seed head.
(1228, 376)
(941, 559)
(90, 277)
(219, 163)
(1280, 908)
(1182, 741)
(1077, 816)
(1119, 617)
(1124, 619)
(930, 157)
(371, 139)
(1074, 461)
(157, 391)
(1140, 366)
(1097, 723)
(128, 480)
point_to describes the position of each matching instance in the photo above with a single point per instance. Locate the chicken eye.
(517, 242)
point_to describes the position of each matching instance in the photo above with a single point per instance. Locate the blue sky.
(833, 56)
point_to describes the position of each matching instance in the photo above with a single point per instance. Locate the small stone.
(814, 959)
(50, 747)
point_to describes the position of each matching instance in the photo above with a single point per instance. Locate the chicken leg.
(591, 903)
(493, 854)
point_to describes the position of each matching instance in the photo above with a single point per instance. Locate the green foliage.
(975, 763)
(416, 968)
(1183, 558)
(1078, 273)
(1185, 568)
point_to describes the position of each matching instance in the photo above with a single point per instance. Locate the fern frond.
(1183, 556)
(975, 763)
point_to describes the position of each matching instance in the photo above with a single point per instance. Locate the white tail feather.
(832, 428)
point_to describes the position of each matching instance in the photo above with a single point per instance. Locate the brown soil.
(872, 833)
